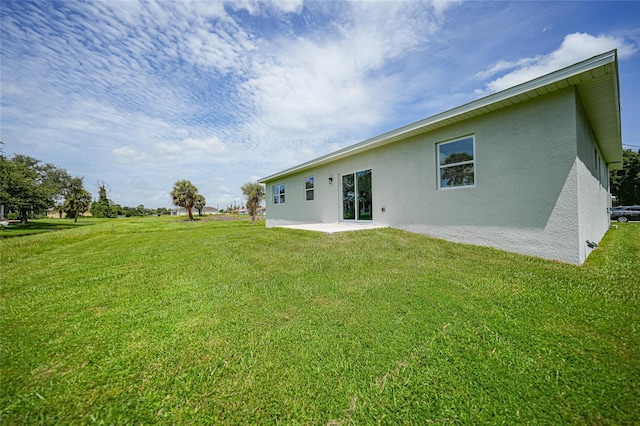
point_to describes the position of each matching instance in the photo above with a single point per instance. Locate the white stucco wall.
(530, 184)
(593, 186)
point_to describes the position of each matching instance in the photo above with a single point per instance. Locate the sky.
(141, 94)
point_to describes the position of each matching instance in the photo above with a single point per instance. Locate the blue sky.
(142, 94)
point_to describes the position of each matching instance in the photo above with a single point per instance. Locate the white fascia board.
(455, 113)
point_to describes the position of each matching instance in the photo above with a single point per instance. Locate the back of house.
(525, 170)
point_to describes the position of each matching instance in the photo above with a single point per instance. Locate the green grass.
(159, 321)
(38, 226)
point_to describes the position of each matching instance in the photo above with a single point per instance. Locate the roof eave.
(610, 142)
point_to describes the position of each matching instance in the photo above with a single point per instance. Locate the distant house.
(525, 170)
(208, 210)
(181, 211)
(54, 213)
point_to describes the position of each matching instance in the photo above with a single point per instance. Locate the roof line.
(391, 136)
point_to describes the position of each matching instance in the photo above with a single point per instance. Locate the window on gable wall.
(308, 188)
(456, 163)
(278, 194)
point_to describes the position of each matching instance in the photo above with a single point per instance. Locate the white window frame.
(307, 190)
(278, 197)
(462, 163)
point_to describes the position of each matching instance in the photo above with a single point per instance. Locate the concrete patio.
(331, 228)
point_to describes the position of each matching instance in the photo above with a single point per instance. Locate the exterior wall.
(55, 214)
(526, 194)
(593, 186)
(296, 210)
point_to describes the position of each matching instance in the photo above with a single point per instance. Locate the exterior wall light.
(330, 180)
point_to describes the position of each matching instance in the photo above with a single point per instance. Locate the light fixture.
(330, 180)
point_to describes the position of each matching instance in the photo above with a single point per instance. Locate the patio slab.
(331, 228)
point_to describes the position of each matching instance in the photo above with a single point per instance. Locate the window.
(456, 163)
(308, 188)
(278, 194)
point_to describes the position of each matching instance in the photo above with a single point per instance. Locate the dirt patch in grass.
(218, 218)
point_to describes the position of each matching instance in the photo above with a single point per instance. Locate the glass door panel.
(364, 196)
(348, 197)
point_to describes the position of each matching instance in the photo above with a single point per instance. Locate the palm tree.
(200, 203)
(184, 194)
(76, 199)
(254, 193)
(77, 202)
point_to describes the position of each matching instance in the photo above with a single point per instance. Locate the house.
(209, 210)
(53, 213)
(524, 170)
(181, 211)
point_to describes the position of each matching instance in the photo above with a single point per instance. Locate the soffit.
(596, 80)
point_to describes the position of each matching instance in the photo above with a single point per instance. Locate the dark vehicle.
(625, 213)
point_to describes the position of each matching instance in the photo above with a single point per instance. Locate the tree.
(102, 191)
(77, 203)
(184, 194)
(625, 183)
(255, 194)
(76, 199)
(28, 185)
(104, 207)
(200, 203)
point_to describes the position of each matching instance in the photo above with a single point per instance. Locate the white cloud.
(575, 47)
(287, 6)
(255, 7)
(151, 78)
(127, 154)
(502, 65)
(168, 148)
(440, 6)
(301, 89)
(211, 145)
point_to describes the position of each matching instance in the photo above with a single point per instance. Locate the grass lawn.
(159, 321)
(38, 226)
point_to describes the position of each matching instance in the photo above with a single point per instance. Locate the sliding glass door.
(357, 198)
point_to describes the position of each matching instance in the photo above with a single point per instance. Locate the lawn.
(158, 321)
(17, 229)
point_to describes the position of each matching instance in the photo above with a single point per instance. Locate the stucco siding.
(296, 210)
(525, 199)
(593, 185)
(555, 240)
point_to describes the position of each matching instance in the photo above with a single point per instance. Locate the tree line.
(28, 185)
(625, 183)
(105, 208)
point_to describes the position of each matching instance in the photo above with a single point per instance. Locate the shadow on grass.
(39, 226)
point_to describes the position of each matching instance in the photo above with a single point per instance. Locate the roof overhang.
(596, 80)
